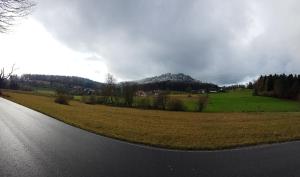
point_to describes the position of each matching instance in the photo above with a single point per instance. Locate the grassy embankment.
(182, 130)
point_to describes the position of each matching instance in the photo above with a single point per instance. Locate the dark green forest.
(280, 86)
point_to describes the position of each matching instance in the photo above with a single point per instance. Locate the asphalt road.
(32, 144)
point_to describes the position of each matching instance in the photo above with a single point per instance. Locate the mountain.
(180, 77)
(175, 82)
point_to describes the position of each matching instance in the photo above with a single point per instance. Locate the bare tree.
(128, 93)
(110, 80)
(109, 89)
(161, 100)
(4, 76)
(11, 10)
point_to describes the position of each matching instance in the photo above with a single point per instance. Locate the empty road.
(32, 144)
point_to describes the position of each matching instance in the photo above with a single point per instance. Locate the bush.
(175, 104)
(202, 102)
(62, 99)
(25, 88)
(101, 100)
(143, 103)
(128, 92)
(91, 99)
(160, 101)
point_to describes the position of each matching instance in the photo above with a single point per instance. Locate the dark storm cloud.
(213, 40)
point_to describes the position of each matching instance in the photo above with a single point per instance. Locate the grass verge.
(177, 130)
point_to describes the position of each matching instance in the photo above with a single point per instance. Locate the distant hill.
(78, 85)
(180, 77)
(176, 82)
(71, 83)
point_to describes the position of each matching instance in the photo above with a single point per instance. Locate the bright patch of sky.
(33, 50)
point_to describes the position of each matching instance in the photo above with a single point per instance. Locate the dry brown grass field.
(180, 130)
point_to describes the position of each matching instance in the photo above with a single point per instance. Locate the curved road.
(32, 144)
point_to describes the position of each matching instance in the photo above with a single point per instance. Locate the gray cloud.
(212, 40)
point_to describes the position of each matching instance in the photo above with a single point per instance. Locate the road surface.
(32, 144)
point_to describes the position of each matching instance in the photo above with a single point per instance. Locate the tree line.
(280, 86)
(124, 94)
(71, 84)
(78, 85)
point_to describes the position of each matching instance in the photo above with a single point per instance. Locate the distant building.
(213, 91)
(141, 93)
(76, 87)
(202, 91)
(89, 91)
(156, 92)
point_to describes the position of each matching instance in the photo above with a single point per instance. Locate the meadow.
(242, 100)
(239, 100)
(179, 130)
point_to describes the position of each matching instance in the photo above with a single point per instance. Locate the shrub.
(117, 101)
(143, 103)
(160, 101)
(91, 99)
(62, 99)
(175, 104)
(25, 88)
(101, 100)
(202, 102)
(61, 91)
(128, 92)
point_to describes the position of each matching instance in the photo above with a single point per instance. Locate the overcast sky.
(212, 40)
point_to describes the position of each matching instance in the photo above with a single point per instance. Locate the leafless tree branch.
(4, 76)
(11, 10)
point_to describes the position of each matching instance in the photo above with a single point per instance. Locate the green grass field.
(240, 100)
(45, 92)
(180, 130)
(244, 101)
(232, 101)
(77, 98)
